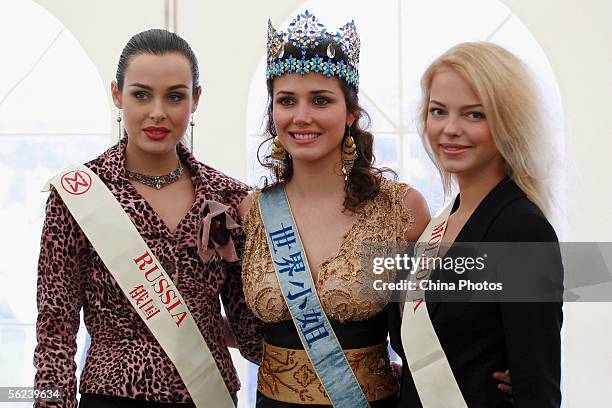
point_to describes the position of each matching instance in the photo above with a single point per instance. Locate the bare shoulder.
(414, 201)
(245, 206)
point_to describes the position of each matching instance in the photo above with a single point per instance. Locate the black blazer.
(481, 338)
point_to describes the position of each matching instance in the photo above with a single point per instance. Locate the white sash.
(431, 372)
(144, 282)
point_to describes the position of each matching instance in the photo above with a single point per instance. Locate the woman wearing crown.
(325, 326)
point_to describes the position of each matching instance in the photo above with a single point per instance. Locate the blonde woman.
(481, 124)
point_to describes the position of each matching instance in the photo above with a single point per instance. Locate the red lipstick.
(156, 132)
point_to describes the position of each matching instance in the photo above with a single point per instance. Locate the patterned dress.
(355, 309)
(124, 359)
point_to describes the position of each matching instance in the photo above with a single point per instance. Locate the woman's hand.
(230, 339)
(506, 381)
(397, 367)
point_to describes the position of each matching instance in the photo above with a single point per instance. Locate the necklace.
(157, 181)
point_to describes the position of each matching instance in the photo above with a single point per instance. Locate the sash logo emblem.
(76, 182)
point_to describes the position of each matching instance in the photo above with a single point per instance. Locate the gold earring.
(279, 157)
(349, 154)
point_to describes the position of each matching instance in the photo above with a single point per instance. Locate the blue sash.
(315, 331)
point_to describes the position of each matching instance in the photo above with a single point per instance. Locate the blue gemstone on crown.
(305, 33)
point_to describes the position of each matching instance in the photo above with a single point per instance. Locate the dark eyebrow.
(476, 105)
(147, 87)
(316, 92)
(322, 91)
(139, 85)
(178, 86)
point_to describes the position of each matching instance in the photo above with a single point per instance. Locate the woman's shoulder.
(522, 220)
(399, 192)
(101, 166)
(389, 185)
(403, 205)
(221, 181)
(218, 186)
(248, 203)
(107, 161)
(523, 207)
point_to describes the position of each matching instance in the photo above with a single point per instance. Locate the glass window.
(53, 112)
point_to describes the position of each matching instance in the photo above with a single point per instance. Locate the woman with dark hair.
(309, 225)
(157, 333)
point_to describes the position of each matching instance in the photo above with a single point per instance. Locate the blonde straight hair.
(512, 107)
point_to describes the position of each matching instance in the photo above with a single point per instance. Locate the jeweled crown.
(298, 50)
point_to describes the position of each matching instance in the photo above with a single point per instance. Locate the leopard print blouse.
(124, 359)
(345, 290)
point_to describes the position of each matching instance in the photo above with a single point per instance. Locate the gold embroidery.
(345, 293)
(305, 375)
(287, 375)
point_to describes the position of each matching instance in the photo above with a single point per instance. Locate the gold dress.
(357, 312)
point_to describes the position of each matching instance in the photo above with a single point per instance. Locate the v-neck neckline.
(200, 195)
(358, 218)
(469, 232)
(476, 214)
(173, 233)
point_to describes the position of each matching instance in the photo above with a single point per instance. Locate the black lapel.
(477, 226)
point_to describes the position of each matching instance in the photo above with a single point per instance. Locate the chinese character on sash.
(282, 237)
(140, 294)
(304, 292)
(312, 327)
(144, 302)
(295, 263)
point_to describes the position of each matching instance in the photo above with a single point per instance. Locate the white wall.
(229, 38)
(576, 37)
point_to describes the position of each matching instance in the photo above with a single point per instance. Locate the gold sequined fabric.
(287, 375)
(345, 289)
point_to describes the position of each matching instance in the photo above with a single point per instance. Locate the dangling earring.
(279, 157)
(349, 154)
(191, 125)
(119, 119)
